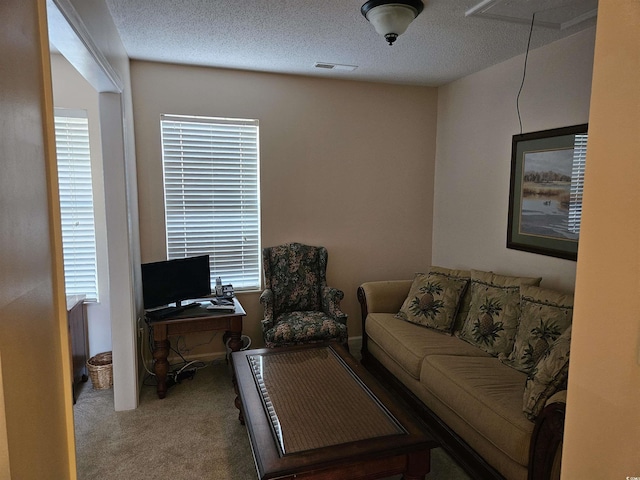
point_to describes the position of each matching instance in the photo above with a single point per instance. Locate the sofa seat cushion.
(487, 395)
(408, 343)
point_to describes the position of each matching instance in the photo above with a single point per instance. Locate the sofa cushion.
(545, 315)
(408, 343)
(486, 395)
(433, 300)
(492, 320)
(549, 375)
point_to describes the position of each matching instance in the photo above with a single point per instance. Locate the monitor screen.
(175, 280)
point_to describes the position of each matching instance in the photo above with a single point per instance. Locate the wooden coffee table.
(314, 412)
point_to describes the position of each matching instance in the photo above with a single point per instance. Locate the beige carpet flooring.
(193, 434)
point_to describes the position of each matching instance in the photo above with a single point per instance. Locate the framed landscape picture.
(545, 197)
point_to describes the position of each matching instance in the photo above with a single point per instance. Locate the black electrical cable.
(175, 369)
(524, 72)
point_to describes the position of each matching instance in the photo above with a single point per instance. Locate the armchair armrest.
(545, 452)
(331, 298)
(266, 299)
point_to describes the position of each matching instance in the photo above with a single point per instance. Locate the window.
(211, 189)
(76, 203)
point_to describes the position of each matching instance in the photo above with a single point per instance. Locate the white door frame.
(69, 35)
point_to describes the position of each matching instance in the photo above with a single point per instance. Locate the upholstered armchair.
(298, 305)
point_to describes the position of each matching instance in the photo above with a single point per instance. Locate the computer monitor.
(175, 280)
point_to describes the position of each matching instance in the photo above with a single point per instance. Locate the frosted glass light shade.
(391, 19)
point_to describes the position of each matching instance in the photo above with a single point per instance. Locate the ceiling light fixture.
(391, 18)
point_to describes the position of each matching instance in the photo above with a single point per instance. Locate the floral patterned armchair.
(298, 305)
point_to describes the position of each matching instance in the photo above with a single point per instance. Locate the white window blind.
(211, 188)
(76, 203)
(577, 182)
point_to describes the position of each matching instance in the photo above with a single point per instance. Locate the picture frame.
(545, 191)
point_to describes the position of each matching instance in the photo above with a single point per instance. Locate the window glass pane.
(76, 203)
(211, 187)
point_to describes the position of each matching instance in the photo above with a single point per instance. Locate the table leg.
(161, 365)
(234, 339)
(418, 465)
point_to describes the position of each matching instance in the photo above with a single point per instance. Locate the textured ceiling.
(291, 36)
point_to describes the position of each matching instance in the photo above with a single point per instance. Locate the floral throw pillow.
(548, 376)
(492, 320)
(465, 301)
(545, 315)
(433, 300)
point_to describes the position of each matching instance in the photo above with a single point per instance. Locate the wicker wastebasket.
(101, 371)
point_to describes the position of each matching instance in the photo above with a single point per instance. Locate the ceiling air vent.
(558, 14)
(335, 66)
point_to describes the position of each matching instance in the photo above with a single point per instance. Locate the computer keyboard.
(165, 312)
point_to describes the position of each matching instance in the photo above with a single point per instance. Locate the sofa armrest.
(545, 453)
(558, 397)
(382, 297)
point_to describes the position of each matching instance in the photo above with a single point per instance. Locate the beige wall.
(36, 370)
(347, 165)
(602, 437)
(477, 118)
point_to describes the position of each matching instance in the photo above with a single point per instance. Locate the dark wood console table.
(192, 320)
(78, 340)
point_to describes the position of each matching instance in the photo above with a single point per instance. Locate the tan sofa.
(471, 400)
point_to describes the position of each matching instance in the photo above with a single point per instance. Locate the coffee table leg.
(418, 465)
(161, 365)
(235, 346)
(238, 403)
(233, 338)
